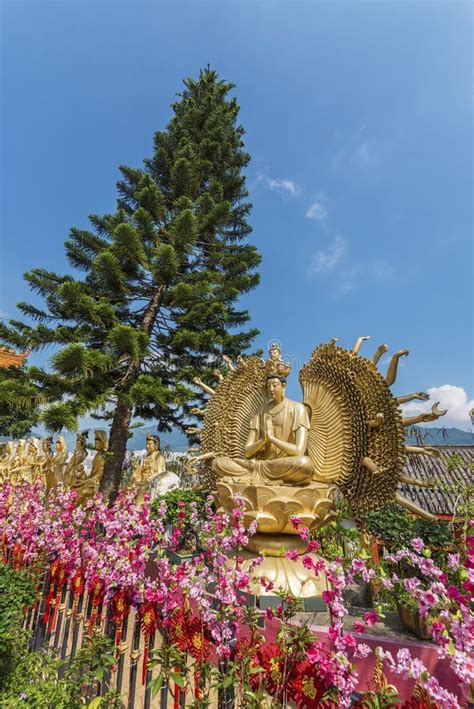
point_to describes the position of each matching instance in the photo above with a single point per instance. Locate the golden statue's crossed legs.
(292, 470)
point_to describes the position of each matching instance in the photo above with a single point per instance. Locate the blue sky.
(358, 119)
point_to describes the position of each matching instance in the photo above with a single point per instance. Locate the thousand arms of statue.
(348, 432)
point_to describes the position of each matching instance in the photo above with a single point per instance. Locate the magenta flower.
(371, 617)
(304, 533)
(328, 596)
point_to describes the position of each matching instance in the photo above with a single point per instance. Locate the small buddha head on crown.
(274, 366)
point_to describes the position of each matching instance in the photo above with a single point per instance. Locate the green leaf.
(95, 703)
(156, 684)
(178, 679)
(228, 681)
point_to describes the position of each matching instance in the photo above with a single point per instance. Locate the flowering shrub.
(181, 506)
(211, 635)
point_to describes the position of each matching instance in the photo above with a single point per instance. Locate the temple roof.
(9, 358)
(423, 467)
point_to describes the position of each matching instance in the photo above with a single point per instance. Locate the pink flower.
(313, 652)
(362, 650)
(292, 554)
(468, 586)
(453, 561)
(313, 545)
(335, 631)
(295, 521)
(349, 640)
(358, 565)
(358, 627)
(304, 533)
(418, 544)
(328, 596)
(455, 594)
(371, 617)
(430, 598)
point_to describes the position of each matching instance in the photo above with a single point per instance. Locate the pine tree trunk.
(118, 439)
(113, 470)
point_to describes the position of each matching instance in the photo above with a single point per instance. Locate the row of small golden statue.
(28, 461)
(32, 460)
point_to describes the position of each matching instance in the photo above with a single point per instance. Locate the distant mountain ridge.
(177, 441)
(440, 436)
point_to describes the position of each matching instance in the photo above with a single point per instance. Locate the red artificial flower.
(119, 606)
(148, 618)
(96, 591)
(78, 583)
(178, 629)
(271, 659)
(306, 685)
(148, 623)
(198, 643)
(190, 634)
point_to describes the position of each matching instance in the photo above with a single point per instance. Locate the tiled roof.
(9, 358)
(423, 467)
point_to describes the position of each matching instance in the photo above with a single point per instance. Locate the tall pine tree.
(156, 302)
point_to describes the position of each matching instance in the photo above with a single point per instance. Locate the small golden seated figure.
(277, 439)
(152, 467)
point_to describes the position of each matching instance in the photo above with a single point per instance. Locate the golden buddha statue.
(153, 466)
(101, 444)
(43, 459)
(284, 458)
(54, 471)
(86, 486)
(7, 461)
(277, 439)
(74, 470)
(27, 461)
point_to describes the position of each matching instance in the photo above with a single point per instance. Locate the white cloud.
(451, 397)
(326, 260)
(365, 153)
(284, 186)
(317, 210)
